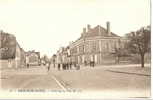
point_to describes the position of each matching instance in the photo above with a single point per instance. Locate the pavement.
(117, 80)
(132, 69)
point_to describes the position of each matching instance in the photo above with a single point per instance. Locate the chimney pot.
(108, 28)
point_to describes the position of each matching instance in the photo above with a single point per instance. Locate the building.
(33, 58)
(96, 44)
(11, 54)
(59, 56)
(20, 57)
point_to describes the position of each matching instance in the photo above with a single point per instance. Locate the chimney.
(108, 29)
(89, 27)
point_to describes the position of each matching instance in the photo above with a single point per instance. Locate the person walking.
(70, 65)
(59, 66)
(27, 62)
(59, 61)
(49, 63)
(92, 62)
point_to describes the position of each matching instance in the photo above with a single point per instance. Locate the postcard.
(75, 49)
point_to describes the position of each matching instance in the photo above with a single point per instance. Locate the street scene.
(95, 56)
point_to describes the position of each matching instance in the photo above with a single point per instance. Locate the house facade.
(96, 44)
(11, 54)
(33, 58)
(20, 58)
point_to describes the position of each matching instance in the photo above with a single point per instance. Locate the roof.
(32, 52)
(98, 31)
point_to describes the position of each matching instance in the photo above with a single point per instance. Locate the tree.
(139, 42)
(120, 52)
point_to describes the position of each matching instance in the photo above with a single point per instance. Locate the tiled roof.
(32, 52)
(99, 31)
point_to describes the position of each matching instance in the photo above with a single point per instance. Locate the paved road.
(105, 80)
(32, 78)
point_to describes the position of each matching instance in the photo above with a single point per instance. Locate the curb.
(128, 73)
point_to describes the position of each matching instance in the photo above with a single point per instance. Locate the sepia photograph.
(75, 49)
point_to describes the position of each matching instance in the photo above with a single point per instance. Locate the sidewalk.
(132, 69)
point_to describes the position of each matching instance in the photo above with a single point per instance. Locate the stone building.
(33, 58)
(96, 44)
(11, 54)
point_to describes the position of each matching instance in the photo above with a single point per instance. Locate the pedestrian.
(58, 61)
(67, 66)
(85, 63)
(27, 62)
(28, 65)
(49, 65)
(59, 66)
(92, 62)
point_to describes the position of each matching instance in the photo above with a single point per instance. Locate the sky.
(46, 25)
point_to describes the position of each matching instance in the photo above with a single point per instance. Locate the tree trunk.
(142, 60)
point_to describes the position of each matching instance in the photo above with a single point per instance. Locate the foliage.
(120, 52)
(140, 42)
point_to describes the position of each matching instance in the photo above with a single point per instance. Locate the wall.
(33, 58)
(7, 64)
(17, 62)
(100, 49)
